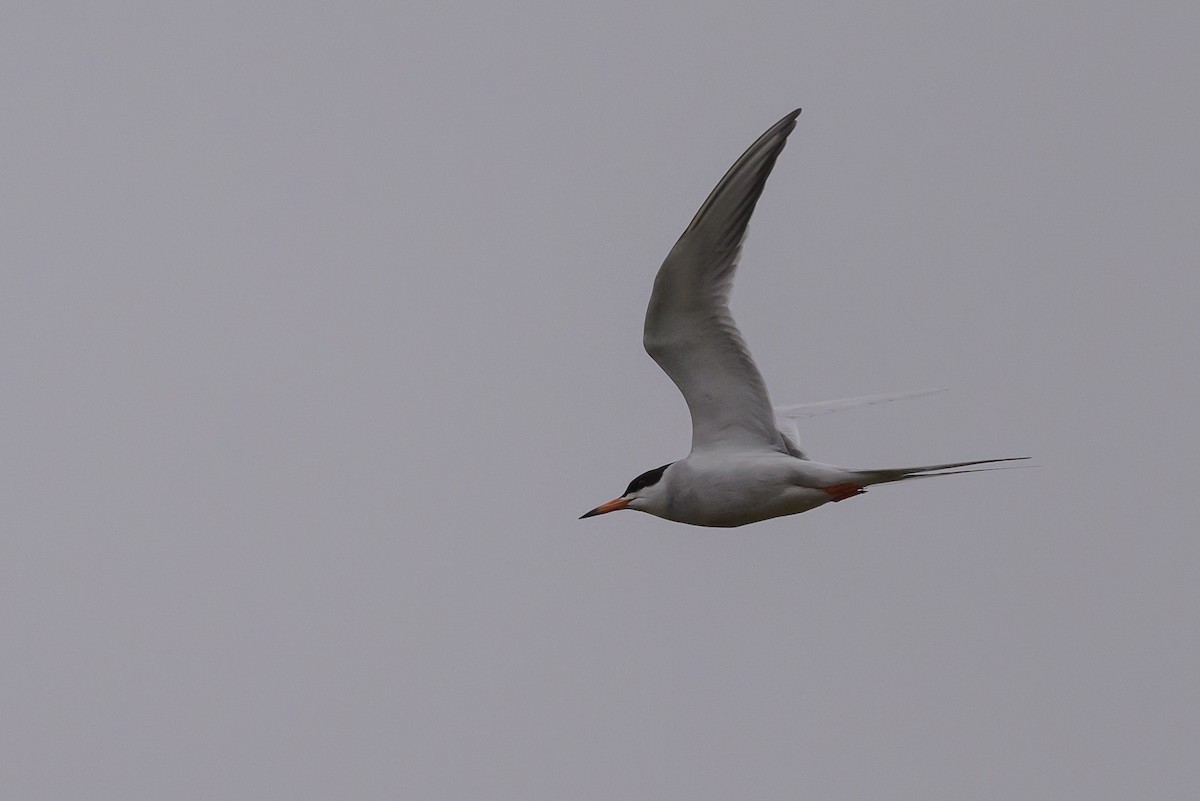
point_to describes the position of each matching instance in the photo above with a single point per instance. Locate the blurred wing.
(791, 437)
(786, 416)
(802, 410)
(689, 330)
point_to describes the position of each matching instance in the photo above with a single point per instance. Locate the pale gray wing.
(689, 330)
(791, 437)
(786, 416)
(801, 410)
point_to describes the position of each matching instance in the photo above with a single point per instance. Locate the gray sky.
(320, 325)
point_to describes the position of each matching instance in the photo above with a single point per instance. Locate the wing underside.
(689, 330)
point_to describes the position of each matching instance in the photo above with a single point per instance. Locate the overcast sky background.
(320, 324)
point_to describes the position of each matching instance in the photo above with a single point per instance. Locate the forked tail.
(886, 475)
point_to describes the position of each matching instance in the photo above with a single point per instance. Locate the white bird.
(746, 464)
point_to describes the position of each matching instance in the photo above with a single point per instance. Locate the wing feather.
(689, 330)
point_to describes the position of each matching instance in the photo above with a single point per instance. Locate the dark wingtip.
(788, 120)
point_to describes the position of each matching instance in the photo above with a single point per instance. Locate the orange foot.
(840, 492)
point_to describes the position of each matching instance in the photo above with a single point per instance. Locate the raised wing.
(689, 330)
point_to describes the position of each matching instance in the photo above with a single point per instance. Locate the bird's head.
(646, 493)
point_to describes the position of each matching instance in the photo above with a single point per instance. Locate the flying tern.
(746, 463)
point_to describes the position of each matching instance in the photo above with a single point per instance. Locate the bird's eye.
(647, 479)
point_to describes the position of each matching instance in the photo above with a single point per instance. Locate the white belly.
(728, 493)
